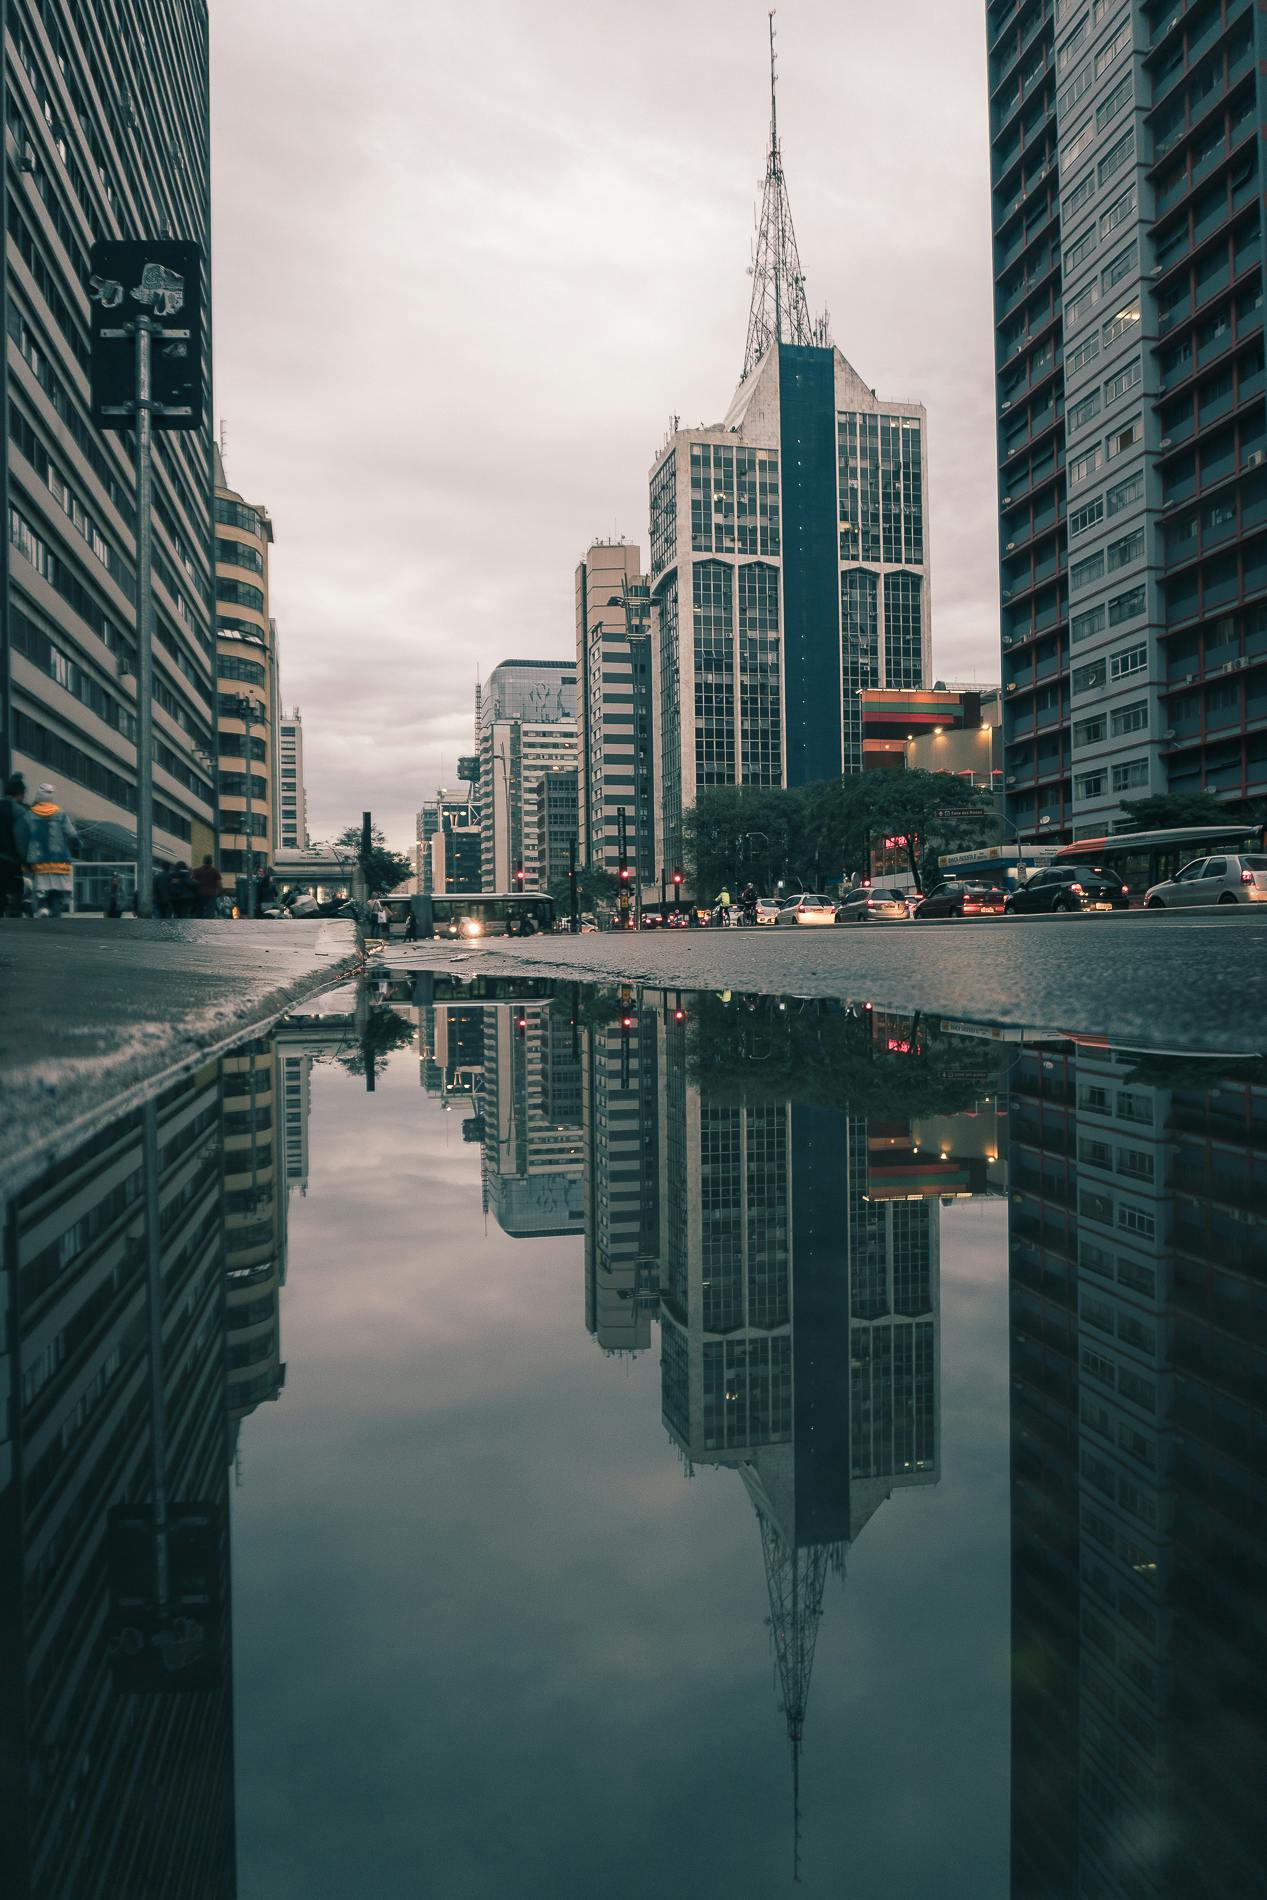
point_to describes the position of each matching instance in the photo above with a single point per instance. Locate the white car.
(1229, 878)
(807, 907)
(767, 910)
(870, 904)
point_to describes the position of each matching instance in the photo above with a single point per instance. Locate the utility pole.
(623, 895)
(575, 916)
(163, 277)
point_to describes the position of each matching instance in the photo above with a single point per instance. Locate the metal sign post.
(164, 278)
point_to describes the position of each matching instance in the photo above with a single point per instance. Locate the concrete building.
(614, 706)
(104, 142)
(620, 1109)
(447, 852)
(530, 1106)
(246, 668)
(1125, 155)
(789, 571)
(556, 798)
(526, 730)
(257, 1133)
(935, 729)
(292, 822)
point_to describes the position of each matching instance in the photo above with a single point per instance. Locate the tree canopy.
(814, 834)
(385, 869)
(1165, 811)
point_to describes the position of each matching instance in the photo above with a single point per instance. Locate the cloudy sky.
(470, 259)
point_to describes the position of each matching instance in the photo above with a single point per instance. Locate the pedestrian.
(162, 891)
(114, 899)
(182, 892)
(381, 923)
(722, 905)
(15, 826)
(52, 842)
(209, 884)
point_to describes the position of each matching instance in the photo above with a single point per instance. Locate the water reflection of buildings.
(256, 1138)
(1139, 1527)
(116, 1753)
(530, 1104)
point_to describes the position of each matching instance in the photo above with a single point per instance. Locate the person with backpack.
(52, 842)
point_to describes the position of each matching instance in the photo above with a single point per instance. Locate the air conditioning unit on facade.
(1170, 733)
(1189, 679)
(1253, 459)
(1167, 442)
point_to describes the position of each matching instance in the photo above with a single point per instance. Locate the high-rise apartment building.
(614, 709)
(1126, 156)
(789, 556)
(248, 707)
(525, 730)
(555, 796)
(292, 821)
(108, 137)
(530, 1102)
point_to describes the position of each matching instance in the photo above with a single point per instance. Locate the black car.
(963, 897)
(1071, 887)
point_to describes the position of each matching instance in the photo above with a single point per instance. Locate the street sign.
(160, 279)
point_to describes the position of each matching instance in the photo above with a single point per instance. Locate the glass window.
(1126, 606)
(1132, 718)
(1081, 249)
(1120, 497)
(1082, 353)
(1123, 438)
(1129, 773)
(1118, 325)
(1083, 412)
(1129, 548)
(1117, 154)
(1128, 660)
(1086, 517)
(1112, 105)
(1082, 573)
(1084, 625)
(1110, 50)
(1118, 212)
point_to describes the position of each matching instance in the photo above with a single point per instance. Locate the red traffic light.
(626, 1022)
(679, 1015)
(625, 873)
(522, 1023)
(677, 877)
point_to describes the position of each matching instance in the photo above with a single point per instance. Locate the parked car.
(963, 897)
(1231, 878)
(873, 903)
(1070, 887)
(807, 907)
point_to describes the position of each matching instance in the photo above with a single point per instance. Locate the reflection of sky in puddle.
(648, 1359)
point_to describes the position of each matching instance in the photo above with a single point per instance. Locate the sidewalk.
(92, 1011)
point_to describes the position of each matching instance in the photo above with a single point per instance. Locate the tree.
(1166, 811)
(596, 890)
(385, 869)
(928, 809)
(737, 832)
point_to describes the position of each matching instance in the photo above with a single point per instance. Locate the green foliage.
(385, 869)
(384, 1031)
(1170, 810)
(820, 831)
(596, 891)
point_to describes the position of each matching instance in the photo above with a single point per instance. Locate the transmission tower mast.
(795, 1579)
(779, 311)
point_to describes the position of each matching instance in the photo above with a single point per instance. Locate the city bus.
(1143, 858)
(472, 914)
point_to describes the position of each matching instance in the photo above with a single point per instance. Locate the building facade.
(614, 710)
(789, 571)
(1125, 157)
(107, 137)
(556, 796)
(248, 704)
(447, 853)
(292, 821)
(526, 731)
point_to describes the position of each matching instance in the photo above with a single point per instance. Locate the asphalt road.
(1179, 980)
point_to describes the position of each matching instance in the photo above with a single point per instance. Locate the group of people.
(180, 892)
(38, 841)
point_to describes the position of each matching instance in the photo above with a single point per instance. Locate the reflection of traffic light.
(521, 1024)
(626, 1022)
(679, 1015)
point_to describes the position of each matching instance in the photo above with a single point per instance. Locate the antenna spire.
(779, 312)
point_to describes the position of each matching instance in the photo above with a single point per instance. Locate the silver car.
(873, 904)
(807, 907)
(1230, 878)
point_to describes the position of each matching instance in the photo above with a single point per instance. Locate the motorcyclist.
(748, 903)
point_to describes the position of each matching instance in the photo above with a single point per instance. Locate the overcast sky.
(470, 259)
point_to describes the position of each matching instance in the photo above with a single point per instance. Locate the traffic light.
(677, 880)
(625, 873)
(519, 875)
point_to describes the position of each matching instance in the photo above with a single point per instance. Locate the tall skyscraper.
(447, 853)
(292, 822)
(530, 1102)
(525, 730)
(1125, 158)
(614, 709)
(789, 555)
(108, 138)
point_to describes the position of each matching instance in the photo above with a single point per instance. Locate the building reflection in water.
(1139, 1505)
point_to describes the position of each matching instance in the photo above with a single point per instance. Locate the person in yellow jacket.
(52, 842)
